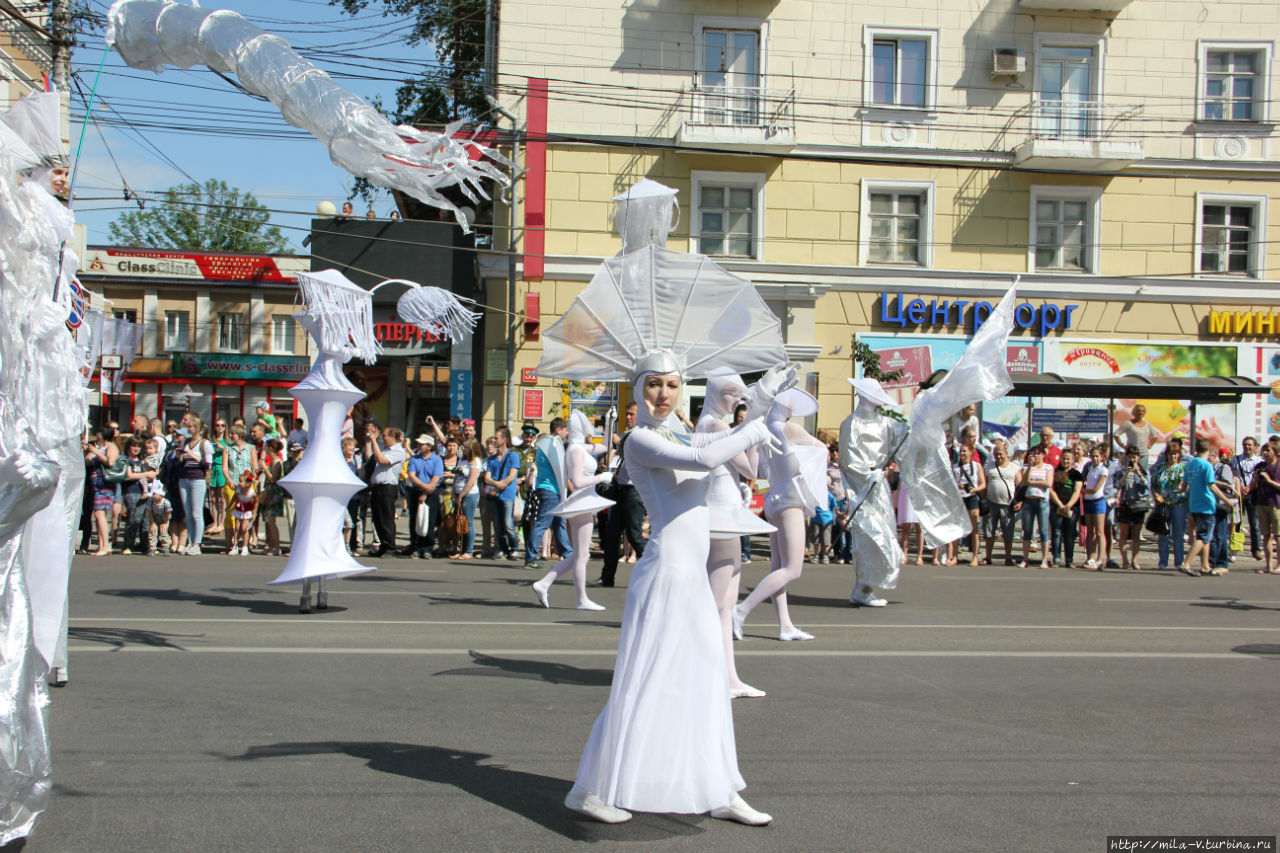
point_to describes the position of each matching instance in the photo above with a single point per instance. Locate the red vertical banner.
(535, 180)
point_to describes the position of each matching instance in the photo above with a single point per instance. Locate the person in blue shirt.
(1203, 494)
(548, 491)
(425, 471)
(501, 472)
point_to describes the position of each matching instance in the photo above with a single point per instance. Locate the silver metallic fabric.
(25, 770)
(980, 374)
(868, 440)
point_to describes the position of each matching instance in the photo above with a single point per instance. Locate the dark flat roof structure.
(1197, 389)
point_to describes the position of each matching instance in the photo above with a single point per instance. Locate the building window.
(230, 333)
(729, 77)
(1067, 103)
(1064, 229)
(897, 223)
(1228, 235)
(727, 218)
(177, 331)
(1233, 81)
(900, 68)
(130, 314)
(283, 334)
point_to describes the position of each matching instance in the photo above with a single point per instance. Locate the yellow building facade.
(878, 169)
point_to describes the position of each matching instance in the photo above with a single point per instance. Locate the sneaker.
(870, 600)
(534, 565)
(126, 552)
(824, 559)
(244, 551)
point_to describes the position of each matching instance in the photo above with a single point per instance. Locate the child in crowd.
(841, 538)
(157, 518)
(243, 515)
(153, 458)
(820, 530)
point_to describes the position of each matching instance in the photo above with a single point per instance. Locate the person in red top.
(1052, 455)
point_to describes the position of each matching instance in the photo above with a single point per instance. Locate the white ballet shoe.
(739, 811)
(542, 595)
(797, 634)
(738, 619)
(597, 809)
(590, 605)
(869, 600)
(746, 691)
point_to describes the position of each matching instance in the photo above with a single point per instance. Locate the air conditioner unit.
(1009, 61)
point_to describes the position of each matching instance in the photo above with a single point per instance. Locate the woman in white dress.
(664, 741)
(797, 486)
(578, 510)
(730, 518)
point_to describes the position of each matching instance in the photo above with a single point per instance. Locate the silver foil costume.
(28, 479)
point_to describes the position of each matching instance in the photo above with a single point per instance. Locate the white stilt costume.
(797, 486)
(42, 407)
(869, 441)
(578, 509)
(730, 518)
(664, 741)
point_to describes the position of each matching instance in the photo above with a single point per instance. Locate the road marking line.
(321, 620)
(561, 653)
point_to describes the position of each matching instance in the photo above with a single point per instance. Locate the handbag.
(422, 523)
(1158, 521)
(1236, 543)
(117, 473)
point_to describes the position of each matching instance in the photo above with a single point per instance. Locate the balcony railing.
(1078, 134)
(750, 115)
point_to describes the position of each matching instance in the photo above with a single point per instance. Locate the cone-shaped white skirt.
(322, 484)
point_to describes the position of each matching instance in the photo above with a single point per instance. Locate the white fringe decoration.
(345, 312)
(434, 310)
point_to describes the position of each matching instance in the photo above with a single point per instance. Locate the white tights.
(724, 569)
(786, 547)
(579, 530)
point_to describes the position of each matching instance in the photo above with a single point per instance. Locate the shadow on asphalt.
(539, 799)
(483, 602)
(552, 673)
(375, 577)
(1226, 603)
(121, 637)
(1270, 651)
(266, 607)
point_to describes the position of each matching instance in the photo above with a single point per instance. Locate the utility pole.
(60, 44)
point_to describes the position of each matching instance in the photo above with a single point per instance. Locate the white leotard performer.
(730, 518)
(578, 509)
(797, 484)
(664, 741)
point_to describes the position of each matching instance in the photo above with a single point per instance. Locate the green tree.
(454, 88)
(211, 217)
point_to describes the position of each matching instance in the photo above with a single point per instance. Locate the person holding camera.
(1134, 501)
(972, 481)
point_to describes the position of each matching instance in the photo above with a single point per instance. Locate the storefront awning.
(1197, 389)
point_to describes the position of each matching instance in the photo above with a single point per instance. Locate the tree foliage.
(453, 89)
(210, 217)
(870, 361)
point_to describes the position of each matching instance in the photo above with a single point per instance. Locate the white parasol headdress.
(653, 310)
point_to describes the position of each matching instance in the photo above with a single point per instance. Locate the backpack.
(1135, 491)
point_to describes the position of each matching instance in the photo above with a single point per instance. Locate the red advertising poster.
(533, 403)
(1022, 359)
(915, 363)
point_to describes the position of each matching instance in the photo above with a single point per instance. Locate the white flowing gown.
(664, 741)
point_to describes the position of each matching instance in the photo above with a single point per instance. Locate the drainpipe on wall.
(510, 318)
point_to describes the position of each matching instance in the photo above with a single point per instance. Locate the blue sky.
(286, 174)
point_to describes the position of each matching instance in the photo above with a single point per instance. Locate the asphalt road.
(434, 706)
